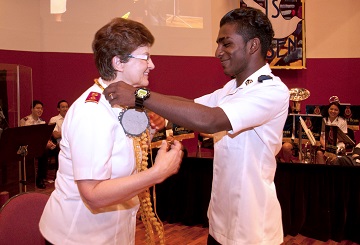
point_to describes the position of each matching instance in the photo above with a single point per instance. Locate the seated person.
(62, 107)
(287, 153)
(333, 117)
(35, 119)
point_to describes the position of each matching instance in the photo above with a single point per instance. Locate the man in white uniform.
(246, 117)
(58, 120)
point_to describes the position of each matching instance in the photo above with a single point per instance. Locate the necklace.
(133, 121)
(141, 143)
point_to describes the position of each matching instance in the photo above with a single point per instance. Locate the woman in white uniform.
(95, 198)
(332, 117)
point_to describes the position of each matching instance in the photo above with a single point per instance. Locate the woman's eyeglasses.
(140, 56)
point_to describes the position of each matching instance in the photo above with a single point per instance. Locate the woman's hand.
(167, 162)
(156, 121)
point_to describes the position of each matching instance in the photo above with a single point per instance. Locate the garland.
(149, 218)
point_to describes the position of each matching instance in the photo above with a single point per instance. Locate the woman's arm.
(101, 193)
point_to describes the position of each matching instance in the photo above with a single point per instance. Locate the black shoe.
(40, 184)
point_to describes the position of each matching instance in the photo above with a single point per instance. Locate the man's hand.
(120, 94)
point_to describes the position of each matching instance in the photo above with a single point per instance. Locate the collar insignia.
(248, 82)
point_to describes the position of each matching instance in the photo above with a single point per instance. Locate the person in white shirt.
(246, 117)
(332, 116)
(101, 172)
(62, 107)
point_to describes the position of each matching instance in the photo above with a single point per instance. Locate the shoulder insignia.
(93, 97)
(264, 77)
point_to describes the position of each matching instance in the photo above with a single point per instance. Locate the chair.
(19, 219)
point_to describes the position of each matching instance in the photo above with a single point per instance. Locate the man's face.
(231, 50)
(37, 111)
(64, 107)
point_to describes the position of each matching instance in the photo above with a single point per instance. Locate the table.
(317, 201)
(185, 197)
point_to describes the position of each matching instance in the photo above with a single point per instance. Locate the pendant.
(134, 122)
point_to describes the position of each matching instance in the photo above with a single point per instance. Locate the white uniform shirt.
(339, 121)
(93, 146)
(244, 208)
(29, 120)
(58, 121)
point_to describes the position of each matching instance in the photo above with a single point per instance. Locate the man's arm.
(179, 110)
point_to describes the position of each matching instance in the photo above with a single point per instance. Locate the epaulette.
(264, 77)
(93, 97)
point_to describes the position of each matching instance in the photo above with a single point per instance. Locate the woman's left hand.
(156, 121)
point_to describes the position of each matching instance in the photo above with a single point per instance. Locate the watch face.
(142, 93)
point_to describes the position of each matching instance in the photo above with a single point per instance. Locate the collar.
(253, 78)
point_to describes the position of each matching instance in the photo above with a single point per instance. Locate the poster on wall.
(288, 20)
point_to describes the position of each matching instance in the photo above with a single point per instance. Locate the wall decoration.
(288, 20)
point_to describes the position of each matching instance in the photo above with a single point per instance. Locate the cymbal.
(299, 94)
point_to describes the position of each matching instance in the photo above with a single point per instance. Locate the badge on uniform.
(93, 97)
(248, 82)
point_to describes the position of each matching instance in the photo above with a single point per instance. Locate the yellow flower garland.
(148, 216)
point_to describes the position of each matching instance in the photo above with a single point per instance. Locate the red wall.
(66, 75)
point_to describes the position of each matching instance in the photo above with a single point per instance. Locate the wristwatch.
(141, 94)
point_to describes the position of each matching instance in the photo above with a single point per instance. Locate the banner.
(288, 20)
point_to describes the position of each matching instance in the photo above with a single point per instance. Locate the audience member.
(332, 116)
(288, 152)
(35, 119)
(62, 107)
(246, 117)
(101, 165)
(37, 109)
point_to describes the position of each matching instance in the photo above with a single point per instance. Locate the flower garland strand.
(149, 218)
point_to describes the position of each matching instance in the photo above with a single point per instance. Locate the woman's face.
(136, 70)
(333, 111)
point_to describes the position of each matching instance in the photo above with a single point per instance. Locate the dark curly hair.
(251, 23)
(120, 37)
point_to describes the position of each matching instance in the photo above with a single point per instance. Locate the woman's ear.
(117, 64)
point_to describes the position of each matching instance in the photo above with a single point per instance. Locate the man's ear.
(117, 64)
(254, 45)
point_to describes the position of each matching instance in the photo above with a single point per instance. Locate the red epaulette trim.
(93, 97)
